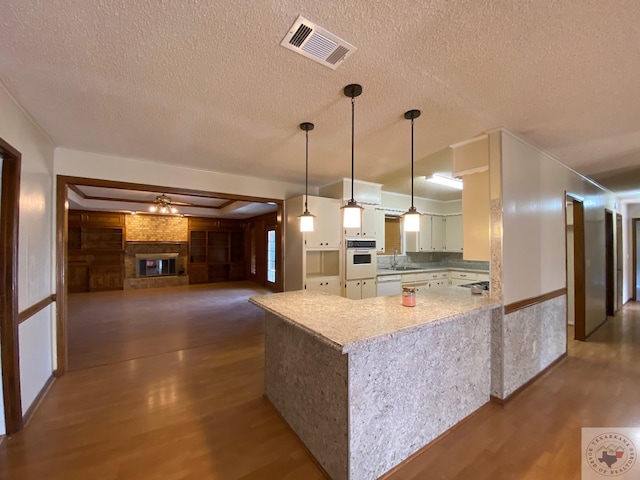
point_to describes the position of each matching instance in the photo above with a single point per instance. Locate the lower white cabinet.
(358, 289)
(323, 284)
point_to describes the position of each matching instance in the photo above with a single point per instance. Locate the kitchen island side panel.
(306, 381)
(532, 339)
(407, 391)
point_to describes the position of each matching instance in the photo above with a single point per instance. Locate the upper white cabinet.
(437, 234)
(372, 226)
(438, 231)
(454, 233)
(326, 233)
(420, 241)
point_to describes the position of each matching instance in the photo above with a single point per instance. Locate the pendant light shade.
(352, 212)
(306, 219)
(411, 219)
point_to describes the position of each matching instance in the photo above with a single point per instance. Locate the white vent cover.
(314, 42)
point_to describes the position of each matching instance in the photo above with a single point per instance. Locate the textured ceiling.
(206, 84)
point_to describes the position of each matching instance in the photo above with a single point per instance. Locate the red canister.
(409, 296)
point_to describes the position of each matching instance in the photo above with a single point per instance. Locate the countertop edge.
(355, 344)
(349, 347)
(333, 344)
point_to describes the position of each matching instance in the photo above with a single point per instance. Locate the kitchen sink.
(403, 268)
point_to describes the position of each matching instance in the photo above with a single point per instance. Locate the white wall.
(533, 186)
(106, 167)
(35, 251)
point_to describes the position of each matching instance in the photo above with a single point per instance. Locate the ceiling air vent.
(314, 42)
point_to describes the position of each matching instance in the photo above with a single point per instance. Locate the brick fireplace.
(155, 264)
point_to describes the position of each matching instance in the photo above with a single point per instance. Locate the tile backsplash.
(432, 260)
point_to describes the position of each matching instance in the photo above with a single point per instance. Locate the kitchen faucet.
(394, 262)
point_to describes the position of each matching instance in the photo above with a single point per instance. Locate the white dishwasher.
(389, 285)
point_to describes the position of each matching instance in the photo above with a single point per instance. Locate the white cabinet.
(453, 233)
(438, 230)
(326, 232)
(437, 234)
(358, 289)
(313, 260)
(420, 241)
(323, 284)
(372, 226)
(463, 277)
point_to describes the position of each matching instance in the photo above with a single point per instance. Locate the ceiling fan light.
(445, 181)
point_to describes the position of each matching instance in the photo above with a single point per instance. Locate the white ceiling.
(206, 84)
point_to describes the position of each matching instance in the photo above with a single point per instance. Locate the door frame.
(634, 242)
(63, 184)
(9, 217)
(619, 263)
(578, 266)
(609, 257)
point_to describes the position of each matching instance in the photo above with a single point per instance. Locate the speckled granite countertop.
(389, 271)
(350, 324)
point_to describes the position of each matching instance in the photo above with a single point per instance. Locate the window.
(271, 256)
(392, 235)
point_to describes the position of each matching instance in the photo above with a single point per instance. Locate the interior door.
(619, 262)
(609, 264)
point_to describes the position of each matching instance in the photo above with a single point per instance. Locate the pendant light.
(352, 212)
(411, 219)
(306, 219)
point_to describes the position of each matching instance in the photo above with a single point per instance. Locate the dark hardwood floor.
(168, 385)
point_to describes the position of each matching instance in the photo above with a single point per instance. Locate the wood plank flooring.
(181, 398)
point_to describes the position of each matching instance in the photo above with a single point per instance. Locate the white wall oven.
(361, 260)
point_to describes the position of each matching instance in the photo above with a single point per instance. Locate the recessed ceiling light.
(445, 181)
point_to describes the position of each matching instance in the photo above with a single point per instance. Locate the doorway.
(576, 303)
(65, 184)
(609, 263)
(619, 262)
(635, 226)
(10, 160)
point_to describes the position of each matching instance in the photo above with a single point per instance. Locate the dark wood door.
(609, 265)
(619, 262)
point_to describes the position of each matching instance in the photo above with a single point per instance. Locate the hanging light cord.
(306, 175)
(412, 163)
(353, 109)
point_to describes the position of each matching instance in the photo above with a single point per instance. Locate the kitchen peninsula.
(367, 383)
